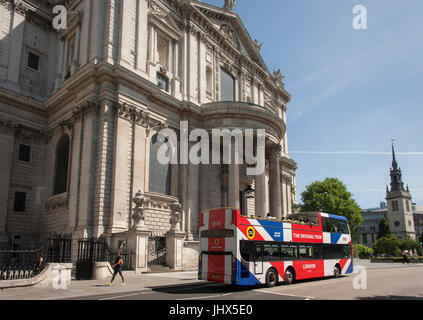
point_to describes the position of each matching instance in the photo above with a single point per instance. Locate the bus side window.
(317, 251)
(343, 227)
(259, 252)
(325, 227)
(247, 250)
(288, 251)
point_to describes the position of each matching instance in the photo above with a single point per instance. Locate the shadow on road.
(212, 288)
(208, 288)
(391, 297)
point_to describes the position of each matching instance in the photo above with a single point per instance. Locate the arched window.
(61, 165)
(159, 177)
(227, 85)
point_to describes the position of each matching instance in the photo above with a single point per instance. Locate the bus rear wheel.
(289, 277)
(271, 278)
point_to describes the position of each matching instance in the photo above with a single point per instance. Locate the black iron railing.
(97, 250)
(26, 263)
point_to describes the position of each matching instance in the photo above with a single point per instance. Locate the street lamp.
(249, 193)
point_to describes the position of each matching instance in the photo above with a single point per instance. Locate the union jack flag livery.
(240, 250)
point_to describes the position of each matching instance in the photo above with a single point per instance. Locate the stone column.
(75, 62)
(233, 181)
(175, 238)
(65, 62)
(289, 198)
(205, 187)
(275, 182)
(60, 65)
(224, 185)
(191, 193)
(260, 200)
(15, 53)
(7, 141)
(284, 197)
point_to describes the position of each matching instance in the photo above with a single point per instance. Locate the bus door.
(258, 259)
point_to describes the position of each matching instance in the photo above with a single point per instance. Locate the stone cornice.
(32, 135)
(23, 7)
(21, 132)
(8, 126)
(288, 163)
(159, 201)
(85, 108)
(139, 116)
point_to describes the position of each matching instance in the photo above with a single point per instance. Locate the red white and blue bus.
(241, 250)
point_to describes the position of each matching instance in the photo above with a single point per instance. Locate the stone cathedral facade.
(80, 109)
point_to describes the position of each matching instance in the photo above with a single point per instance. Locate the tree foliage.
(410, 244)
(384, 228)
(387, 245)
(332, 196)
(362, 252)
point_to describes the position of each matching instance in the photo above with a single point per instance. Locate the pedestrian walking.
(39, 263)
(117, 267)
(415, 257)
(405, 257)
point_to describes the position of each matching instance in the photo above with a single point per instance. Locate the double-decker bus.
(241, 250)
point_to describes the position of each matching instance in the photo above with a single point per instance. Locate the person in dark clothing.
(117, 267)
(405, 257)
(39, 263)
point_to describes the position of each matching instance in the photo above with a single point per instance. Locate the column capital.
(273, 151)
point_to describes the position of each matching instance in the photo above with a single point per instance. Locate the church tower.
(400, 214)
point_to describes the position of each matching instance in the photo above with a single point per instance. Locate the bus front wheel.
(271, 278)
(289, 277)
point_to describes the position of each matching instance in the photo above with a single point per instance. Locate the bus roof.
(334, 216)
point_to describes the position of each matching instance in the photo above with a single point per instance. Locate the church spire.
(394, 160)
(396, 176)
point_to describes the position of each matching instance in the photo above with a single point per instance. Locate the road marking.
(207, 297)
(283, 294)
(153, 292)
(127, 295)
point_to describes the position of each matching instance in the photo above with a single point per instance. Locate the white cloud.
(358, 152)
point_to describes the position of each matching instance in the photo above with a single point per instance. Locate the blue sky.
(352, 90)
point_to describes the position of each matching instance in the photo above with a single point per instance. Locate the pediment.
(233, 29)
(160, 15)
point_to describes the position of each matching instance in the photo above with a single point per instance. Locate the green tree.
(384, 228)
(409, 244)
(362, 252)
(387, 245)
(332, 196)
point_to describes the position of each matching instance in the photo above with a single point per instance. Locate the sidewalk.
(134, 283)
(366, 263)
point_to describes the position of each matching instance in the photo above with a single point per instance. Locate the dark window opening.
(227, 85)
(395, 205)
(62, 162)
(159, 180)
(24, 153)
(20, 202)
(33, 61)
(162, 82)
(333, 251)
